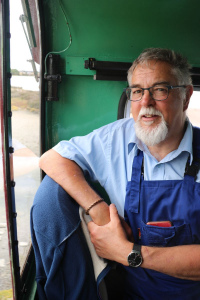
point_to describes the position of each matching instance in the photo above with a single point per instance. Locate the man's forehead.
(161, 71)
(152, 65)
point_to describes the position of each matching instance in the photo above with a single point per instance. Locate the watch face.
(134, 259)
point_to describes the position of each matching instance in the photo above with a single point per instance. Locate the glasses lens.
(134, 94)
(128, 93)
(159, 92)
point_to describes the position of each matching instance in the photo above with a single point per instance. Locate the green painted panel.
(110, 30)
(121, 29)
(84, 104)
(75, 66)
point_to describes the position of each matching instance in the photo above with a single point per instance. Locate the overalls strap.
(196, 144)
(193, 169)
(135, 182)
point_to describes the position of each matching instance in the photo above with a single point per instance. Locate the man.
(149, 169)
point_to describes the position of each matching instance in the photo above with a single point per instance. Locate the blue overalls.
(177, 201)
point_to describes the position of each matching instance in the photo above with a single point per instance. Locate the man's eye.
(134, 91)
(160, 89)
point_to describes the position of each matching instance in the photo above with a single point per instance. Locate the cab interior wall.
(107, 31)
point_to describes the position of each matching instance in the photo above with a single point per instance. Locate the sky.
(20, 52)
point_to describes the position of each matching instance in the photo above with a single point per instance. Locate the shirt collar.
(136, 144)
(186, 142)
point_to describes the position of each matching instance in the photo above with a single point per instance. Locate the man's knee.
(54, 211)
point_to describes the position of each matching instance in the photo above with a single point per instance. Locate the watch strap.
(137, 247)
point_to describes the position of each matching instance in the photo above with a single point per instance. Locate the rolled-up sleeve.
(90, 152)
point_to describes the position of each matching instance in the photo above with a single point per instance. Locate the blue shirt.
(107, 154)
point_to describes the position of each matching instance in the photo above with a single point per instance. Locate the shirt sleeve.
(90, 152)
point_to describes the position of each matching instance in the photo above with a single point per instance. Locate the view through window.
(193, 111)
(25, 126)
(25, 134)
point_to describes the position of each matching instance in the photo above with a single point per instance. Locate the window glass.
(25, 127)
(193, 111)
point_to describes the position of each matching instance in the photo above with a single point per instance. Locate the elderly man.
(149, 166)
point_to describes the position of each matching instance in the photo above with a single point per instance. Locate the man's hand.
(110, 241)
(127, 229)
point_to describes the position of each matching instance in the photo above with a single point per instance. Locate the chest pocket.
(165, 236)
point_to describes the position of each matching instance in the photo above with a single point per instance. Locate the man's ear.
(189, 92)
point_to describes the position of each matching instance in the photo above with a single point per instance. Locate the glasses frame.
(169, 87)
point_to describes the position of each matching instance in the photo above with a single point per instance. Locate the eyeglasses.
(157, 92)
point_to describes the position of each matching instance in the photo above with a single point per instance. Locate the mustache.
(149, 111)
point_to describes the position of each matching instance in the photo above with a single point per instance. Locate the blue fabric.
(115, 146)
(64, 269)
(177, 201)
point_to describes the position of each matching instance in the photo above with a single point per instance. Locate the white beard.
(151, 136)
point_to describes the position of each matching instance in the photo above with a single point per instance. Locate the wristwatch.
(135, 257)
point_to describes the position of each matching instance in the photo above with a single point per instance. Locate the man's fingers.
(113, 213)
(91, 226)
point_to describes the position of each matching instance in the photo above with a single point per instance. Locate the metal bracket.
(108, 70)
(53, 77)
(29, 40)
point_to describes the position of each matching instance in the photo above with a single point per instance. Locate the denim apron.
(177, 201)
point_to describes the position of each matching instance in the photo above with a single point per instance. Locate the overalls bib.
(177, 201)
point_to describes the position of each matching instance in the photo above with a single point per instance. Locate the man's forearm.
(70, 176)
(179, 261)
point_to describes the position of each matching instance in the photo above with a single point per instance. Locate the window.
(20, 130)
(25, 124)
(193, 111)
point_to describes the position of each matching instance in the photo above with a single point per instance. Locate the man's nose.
(147, 99)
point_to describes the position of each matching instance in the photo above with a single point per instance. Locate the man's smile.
(149, 115)
(149, 118)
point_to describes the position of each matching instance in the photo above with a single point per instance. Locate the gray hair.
(179, 64)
